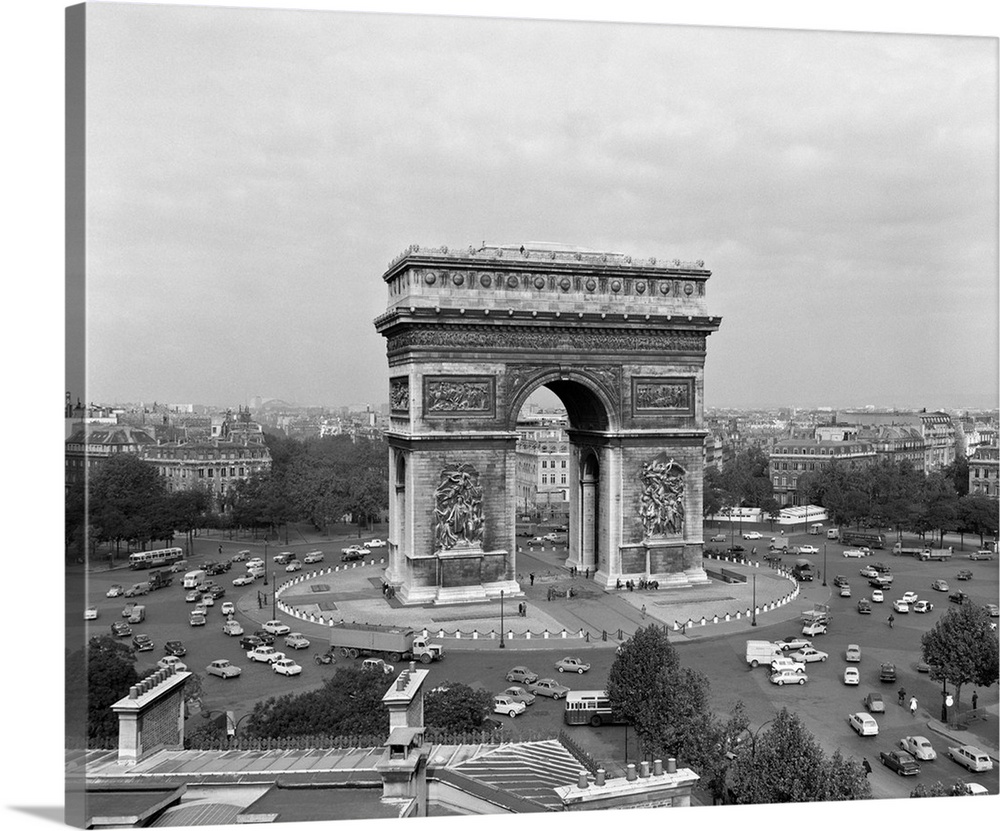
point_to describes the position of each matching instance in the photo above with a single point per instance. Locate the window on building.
(201, 473)
(562, 480)
(563, 464)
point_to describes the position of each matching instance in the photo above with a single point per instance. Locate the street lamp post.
(753, 618)
(502, 644)
(274, 595)
(824, 564)
(265, 561)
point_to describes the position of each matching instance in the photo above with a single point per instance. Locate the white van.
(194, 579)
(833, 533)
(761, 652)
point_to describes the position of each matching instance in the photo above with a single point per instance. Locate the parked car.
(142, 643)
(294, 565)
(964, 574)
(971, 757)
(887, 672)
(923, 606)
(993, 610)
(792, 642)
(296, 640)
(909, 597)
(785, 676)
(548, 688)
(244, 580)
(116, 590)
(874, 702)
(286, 666)
(504, 705)
(852, 677)
(120, 629)
(753, 535)
(813, 629)
(522, 675)
(228, 608)
(900, 761)
(223, 669)
(853, 653)
(265, 654)
(864, 606)
(958, 597)
(900, 606)
(175, 648)
(276, 627)
(90, 613)
(940, 585)
(168, 661)
(520, 694)
(863, 724)
(919, 748)
(572, 665)
(808, 655)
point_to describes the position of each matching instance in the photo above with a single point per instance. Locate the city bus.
(158, 557)
(589, 707)
(869, 538)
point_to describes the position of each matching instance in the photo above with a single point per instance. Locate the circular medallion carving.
(512, 282)
(565, 283)
(485, 281)
(640, 287)
(430, 278)
(664, 288)
(591, 285)
(688, 288)
(458, 279)
(539, 282)
(616, 285)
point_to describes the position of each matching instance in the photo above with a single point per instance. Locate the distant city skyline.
(251, 172)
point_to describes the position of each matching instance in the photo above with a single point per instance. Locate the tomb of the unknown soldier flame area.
(470, 335)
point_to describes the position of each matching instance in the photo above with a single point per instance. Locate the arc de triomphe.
(470, 335)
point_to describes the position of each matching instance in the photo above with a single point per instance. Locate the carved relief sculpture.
(662, 396)
(661, 504)
(458, 508)
(399, 395)
(458, 395)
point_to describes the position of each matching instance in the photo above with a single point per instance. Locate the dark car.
(864, 606)
(965, 574)
(900, 761)
(958, 597)
(142, 643)
(887, 672)
(120, 629)
(881, 568)
(251, 642)
(840, 581)
(880, 583)
(175, 648)
(215, 591)
(736, 549)
(266, 637)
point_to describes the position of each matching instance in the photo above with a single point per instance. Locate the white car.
(868, 571)
(919, 748)
(877, 596)
(228, 608)
(901, 607)
(297, 641)
(232, 628)
(294, 565)
(507, 706)
(813, 629)
(313, 557)
(376, 543)
(753, 535)
(255, 571)
(808, 549)
(192, 597)
(808, 655)
(909, 597)
(863, 724)
(244, 580)
(853, 654)
(207, 599)
(265, 654)
(256, 562)
(852, 677)
(854, 553)
(971, 757)
(784, 676)
(90, 613)
(223, 669)
(286, 666)
(572, 665)
(276, 627)
(168, 661)
(923, 606)
(115, 591)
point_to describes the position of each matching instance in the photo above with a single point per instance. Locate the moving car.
(548, 688)
(909, 597)
(718, 538)
(286, 666)
(537, 541)
(982, 554)
(845, 591)
(192, 597)
(852, 677)
(214, 591)
(265, 654)
(940, 585)
(520, 694)
(900, 761)
(232, 628)
(248, 642)
(228, 608)
(863, 724)
(168, 661)
(244, 580)
(223, 669)
(971, 757)
(854, 552)
(809, 655)
(813, 629)
(142, 643)
(792, 642)
(207, 600)
(504, 705)
(196, 619)
(314, 557)
(867, 571)
(522, 675)
(265, 636)
(276, 627)
(808, 549)
(294, 565)
(853, 653)
(354, 552)
(296, 640)
(784, 676)
(840, 580)
(753, 535)
(923, 606)
(864, 606)
(877, 596)
(377, 665)
(120, 629)
(958, 597)
(175, 648)
(919, 748)
(255, 571)
(874, 702)
(993, 610)
(887, 672)
(241, 556)
(572, 665)
(964, 574)
(880, 583)
(116, 590)
(899, 605)
(90, 613)
(376, 543)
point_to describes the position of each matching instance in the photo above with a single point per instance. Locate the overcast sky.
(251, 172)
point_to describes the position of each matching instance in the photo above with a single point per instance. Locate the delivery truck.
(936, 554)
(393, 643)
(762, 652)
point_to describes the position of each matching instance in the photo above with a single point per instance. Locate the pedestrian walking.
(531, 577)
(901, 695)
(618, 583)
(587, 573)
(643, 611)
(913, 706)
(867, 766)
(220, 549)
(259, 604)
(975, 699)
(891, 620)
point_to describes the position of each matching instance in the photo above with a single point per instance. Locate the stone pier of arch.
(470, 335)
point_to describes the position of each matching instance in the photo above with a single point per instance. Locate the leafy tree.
(127, 501)
(978, 515)
(771, 509)
(844, 779)
(747, 479)
(95, 680)
(456, 707)
(712, 498)
(938, 505)
(961, 649)
(958, 473)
